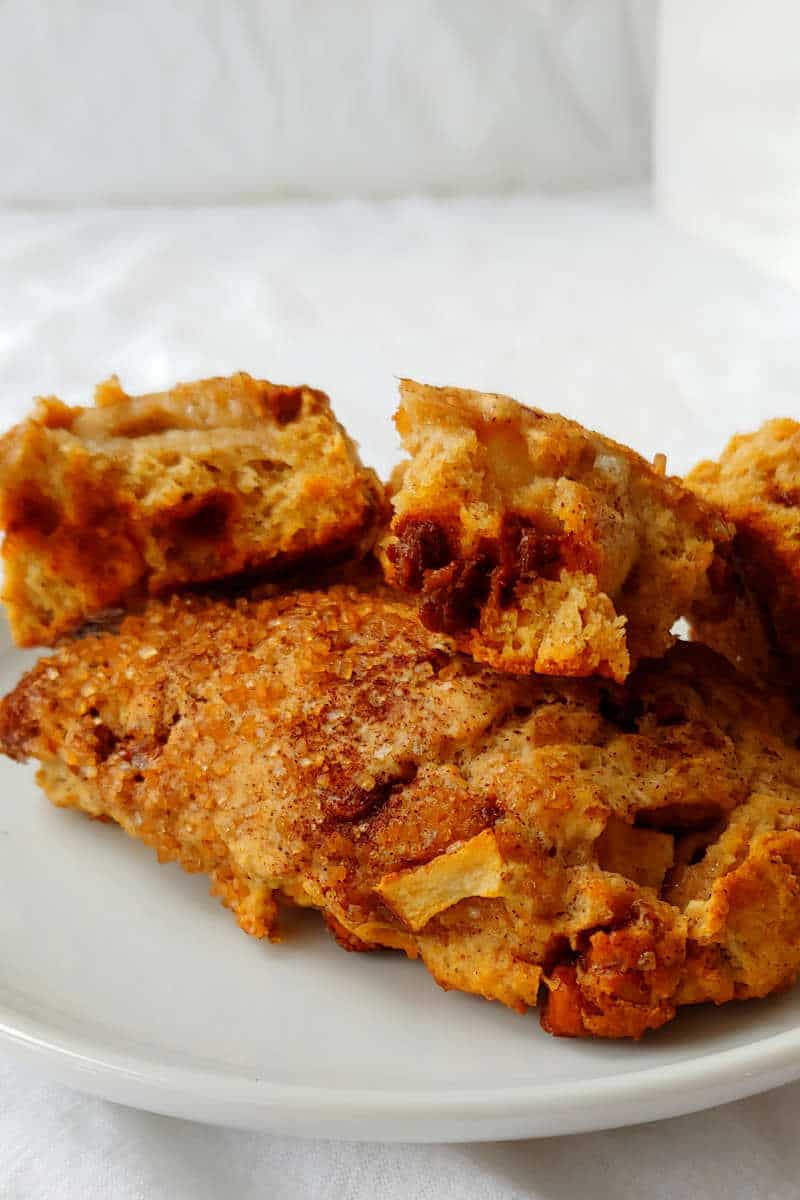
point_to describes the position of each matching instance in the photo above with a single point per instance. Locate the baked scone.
(539, 545)
(754, 619)
(609, 851)
(142, 494)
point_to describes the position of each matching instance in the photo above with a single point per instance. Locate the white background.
(195, 100)
(588, 304)
(727, 126)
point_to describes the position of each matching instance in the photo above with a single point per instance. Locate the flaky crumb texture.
(754, 619)
(539, 545)
(143, 494)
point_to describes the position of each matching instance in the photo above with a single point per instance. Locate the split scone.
(142, 494)
(755, 619)
(610, 851)
(539, 545)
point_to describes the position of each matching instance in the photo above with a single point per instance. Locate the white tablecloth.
(565, 302)
(57, 1145)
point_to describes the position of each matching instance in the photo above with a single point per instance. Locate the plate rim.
(518, 1111)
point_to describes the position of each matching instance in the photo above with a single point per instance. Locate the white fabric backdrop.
(196, 100)
(592, 306)
(589, 306)
(55, 1145)
(727, 138)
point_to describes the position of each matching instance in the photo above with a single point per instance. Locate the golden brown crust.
(625, 849)
(144, 494)
(539, 545)
(754, 616)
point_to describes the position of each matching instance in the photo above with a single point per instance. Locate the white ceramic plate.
(124, 978)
